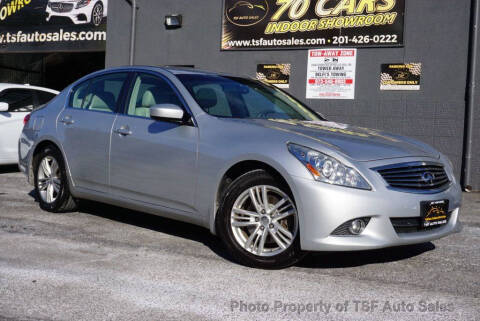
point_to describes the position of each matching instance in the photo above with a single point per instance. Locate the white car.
(16, 102)
(78, 11)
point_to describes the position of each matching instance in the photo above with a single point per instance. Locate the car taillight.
(26, 119)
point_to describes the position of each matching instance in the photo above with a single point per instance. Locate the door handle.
(124, 131)
(67, 120)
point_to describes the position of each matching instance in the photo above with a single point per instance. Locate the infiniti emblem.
(428, 177)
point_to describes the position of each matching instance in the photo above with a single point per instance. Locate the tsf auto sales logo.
(246, 13)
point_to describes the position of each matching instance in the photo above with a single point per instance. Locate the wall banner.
(400, 76)
(283, 24)
(53, 25)
(274, 74)
(331, 73)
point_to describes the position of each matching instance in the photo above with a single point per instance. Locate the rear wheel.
(51, 184)
(258, 222)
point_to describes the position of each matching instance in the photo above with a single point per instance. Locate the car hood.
(358, 143)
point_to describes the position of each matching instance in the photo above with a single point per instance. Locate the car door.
(20, 103)
(84, 128)
(153, 161)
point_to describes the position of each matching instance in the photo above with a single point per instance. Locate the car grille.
(418, 176)
(61, 6)
(412, 224)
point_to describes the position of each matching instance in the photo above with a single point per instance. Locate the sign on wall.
(331, 73)
(400, 76)
(282, 24)
(54, 25)
(275, 74)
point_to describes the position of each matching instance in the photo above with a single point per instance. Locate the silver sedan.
(244, 159)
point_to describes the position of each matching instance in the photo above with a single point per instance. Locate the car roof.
(183, 70)
(171, 69)
(4, 86)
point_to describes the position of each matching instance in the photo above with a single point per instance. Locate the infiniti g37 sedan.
(254, 165)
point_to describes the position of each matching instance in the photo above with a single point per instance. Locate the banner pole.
(132, 32)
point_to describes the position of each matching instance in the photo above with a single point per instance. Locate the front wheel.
(258, 222)
(51, 183)
(97, 14)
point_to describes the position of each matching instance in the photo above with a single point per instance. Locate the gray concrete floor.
(107, 263)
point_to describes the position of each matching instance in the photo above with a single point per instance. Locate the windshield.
(235, 97)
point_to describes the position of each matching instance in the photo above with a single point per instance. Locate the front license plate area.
(434, 213)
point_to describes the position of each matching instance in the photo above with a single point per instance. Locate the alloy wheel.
(49, 181)
(264, 220)
(97, 15)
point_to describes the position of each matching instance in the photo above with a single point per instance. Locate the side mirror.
(167, 112)
(3, 106)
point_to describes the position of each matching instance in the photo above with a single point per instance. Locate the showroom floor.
(106, 263)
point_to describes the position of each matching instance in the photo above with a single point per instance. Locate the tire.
(97, 14)
(60, 200)
(243, 229)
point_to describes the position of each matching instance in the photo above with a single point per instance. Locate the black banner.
(400, 76)
(53, 25)
(283, 24)
(275, 74)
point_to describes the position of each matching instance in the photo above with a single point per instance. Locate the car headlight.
(82, 3)
(327, 169)
(447, 160)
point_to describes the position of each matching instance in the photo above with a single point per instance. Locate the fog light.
(356, 226)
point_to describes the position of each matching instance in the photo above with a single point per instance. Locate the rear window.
(99, 94)
(78, 95)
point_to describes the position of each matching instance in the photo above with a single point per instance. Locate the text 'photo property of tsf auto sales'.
(239, 160)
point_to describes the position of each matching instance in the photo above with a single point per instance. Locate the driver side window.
(149, 90)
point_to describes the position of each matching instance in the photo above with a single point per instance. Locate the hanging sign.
(331, 73)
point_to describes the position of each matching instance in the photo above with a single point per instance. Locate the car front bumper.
(77, 16)
(323, 207)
